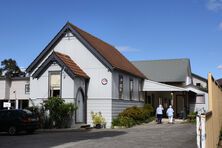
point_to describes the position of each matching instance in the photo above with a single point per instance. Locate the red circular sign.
(104, 81)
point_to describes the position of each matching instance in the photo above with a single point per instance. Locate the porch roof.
(156, 86)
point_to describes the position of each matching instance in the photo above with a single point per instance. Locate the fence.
(209, 124)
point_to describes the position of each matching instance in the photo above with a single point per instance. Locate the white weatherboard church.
(82, 69)
(85, 70)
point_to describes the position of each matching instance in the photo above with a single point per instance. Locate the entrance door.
(80, 105)
(180, 104)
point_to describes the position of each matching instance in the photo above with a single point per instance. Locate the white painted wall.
(99, 95)
(41, 93)
(197, 107)
(103, 105)
(89, 64)
(17, 90)
(39, 87)
(196, 80)
(67, 86)
(7, 88)
(2, 89)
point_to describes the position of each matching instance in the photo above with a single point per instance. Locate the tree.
(10, 68)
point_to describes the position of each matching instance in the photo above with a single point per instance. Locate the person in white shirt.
(159, 114)
(170, 114)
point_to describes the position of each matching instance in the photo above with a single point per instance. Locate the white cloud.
(214, 5)
(126, 49)
(219, 67)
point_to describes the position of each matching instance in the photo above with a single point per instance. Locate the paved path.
(144, 136)
(150, 135)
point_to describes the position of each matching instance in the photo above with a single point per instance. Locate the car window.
(2, 114)
(27, 111)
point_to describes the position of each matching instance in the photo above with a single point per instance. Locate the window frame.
(131, 85)
(27, 88)
(50, 94)
(121, 86)
(140, 92)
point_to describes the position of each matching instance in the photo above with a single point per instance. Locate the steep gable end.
(65, 62)
(111, 54)
(106, 53)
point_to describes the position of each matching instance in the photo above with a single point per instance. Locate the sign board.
(6, 104)
(104, 81)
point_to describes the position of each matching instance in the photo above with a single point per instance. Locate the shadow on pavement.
(44, 140)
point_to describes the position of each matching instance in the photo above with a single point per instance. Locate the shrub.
(133, 115)
(149, 108)
(41, 114)
(133, 112)
(98, 119)
(60, 112)
(192, 117)
(123, 121)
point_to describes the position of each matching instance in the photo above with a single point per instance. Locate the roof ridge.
(178, 59)
(128, 67)
(89, 34)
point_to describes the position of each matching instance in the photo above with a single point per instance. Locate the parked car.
(16, 120)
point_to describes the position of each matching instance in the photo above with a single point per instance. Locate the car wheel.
(12, 130)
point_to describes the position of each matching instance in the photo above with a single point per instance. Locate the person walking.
(170, 114)
(159, 114)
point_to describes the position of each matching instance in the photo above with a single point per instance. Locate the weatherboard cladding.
(107, 53)
(173, 70)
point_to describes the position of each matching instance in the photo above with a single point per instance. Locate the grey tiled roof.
(170, 70)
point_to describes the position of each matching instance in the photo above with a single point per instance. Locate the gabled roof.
(157, 86)
(170, 70)
(219, 81)
(65, 62)
(69, 63)
(199, 77)
(106, 53)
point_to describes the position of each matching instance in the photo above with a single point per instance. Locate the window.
(131, 89)
(120, 87)
(54, 84)
(200, 99)
(198, 84)
(27, 88)
(140, 93)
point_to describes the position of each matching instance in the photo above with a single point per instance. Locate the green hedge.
(133, 115)
(54, 113)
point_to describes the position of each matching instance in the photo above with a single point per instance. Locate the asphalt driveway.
(144, 136)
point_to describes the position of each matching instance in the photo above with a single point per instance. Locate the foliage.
(59, 111)
(133, 115)
(149, 108)
(10, 68)
(98, 119)
(220, 134)
(44, 120)
(123, 121)
(192, 117)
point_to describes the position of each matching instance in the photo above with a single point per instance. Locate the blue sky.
(140, 29)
